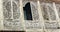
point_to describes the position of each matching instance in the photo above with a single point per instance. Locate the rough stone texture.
(11, 12)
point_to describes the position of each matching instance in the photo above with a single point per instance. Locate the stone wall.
(46, 16)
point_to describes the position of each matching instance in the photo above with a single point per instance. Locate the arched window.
(27, 12)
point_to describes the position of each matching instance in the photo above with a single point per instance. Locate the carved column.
(22, 15)
(1, 15)
(40, 14)
(56, 12)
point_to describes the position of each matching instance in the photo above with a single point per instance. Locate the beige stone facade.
(45, 16)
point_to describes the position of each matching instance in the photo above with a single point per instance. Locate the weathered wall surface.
(46, 16)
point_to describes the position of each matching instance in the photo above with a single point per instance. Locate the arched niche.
(48, 11)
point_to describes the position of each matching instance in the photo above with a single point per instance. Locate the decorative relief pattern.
(51, 12)
(58, 9)
(34, 10)
(48, 11)
(51, 25)
(7, 8)
(11, 14)
(44, 12)
(35, 23)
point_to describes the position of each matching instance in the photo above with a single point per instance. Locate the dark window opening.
(27, 12)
